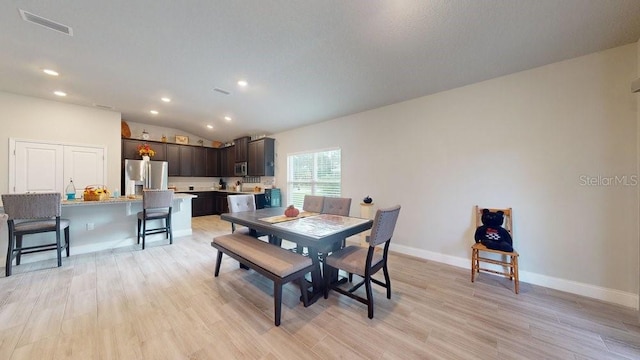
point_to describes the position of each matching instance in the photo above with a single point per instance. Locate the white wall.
(523, 141)
(37, 119)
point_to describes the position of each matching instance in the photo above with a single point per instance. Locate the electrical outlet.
(90, 226)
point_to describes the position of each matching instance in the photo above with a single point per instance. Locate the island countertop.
(119, 200)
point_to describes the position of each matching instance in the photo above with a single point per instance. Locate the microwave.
(240, 169)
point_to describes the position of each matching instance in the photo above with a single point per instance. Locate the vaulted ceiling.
(304, 61)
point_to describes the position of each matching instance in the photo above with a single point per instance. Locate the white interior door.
(85, 165)
(47, 167)
(37, 168)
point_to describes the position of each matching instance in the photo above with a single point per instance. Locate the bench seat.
(273, 262)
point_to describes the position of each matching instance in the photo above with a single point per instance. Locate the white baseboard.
(596, 292)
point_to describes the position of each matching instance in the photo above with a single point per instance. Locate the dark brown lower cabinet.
(203, 204)
(215, 202)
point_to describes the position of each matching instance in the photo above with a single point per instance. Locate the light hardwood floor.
(164, 303)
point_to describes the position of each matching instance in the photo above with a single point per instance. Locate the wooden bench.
(273, 262)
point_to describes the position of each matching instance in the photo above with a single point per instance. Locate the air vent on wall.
(49, 24)
(635, 85)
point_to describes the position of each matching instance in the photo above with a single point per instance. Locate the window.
(313, 173)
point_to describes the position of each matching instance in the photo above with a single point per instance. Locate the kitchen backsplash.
(202, 183)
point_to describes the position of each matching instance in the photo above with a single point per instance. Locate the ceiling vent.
(49, 24)
(106, 107)
(221, 91)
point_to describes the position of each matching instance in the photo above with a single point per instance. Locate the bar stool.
(33, 214)
(156, 205)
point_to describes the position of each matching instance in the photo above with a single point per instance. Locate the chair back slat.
(157, 199)
(32, 206)
(313, 203)
(383, 225)
(336, 206)
(238, 203)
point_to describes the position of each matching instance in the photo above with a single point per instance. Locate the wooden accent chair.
(33, 214)
(509, 259)
(364, 261)
(156, 205)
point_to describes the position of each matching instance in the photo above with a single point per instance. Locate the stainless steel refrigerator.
(140, 175)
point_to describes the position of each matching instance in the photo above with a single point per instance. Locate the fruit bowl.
(95, 193)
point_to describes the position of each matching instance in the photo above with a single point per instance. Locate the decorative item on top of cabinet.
(181, 139)
(145, 135)
(130, 149)
(125, 132)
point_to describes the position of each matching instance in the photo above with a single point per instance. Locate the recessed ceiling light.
(228, 118)
(166, 99)
(243, 83)
(60, 93)
(50, 72)
(154, 112)
(210, 126)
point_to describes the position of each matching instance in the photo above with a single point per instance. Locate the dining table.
(319, 233)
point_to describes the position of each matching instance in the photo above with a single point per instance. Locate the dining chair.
(156, 205)
(243, 202)
(364, 262)
(508, 260)
(336, 206)
(239, 203)
(313, 203)
(32, 214)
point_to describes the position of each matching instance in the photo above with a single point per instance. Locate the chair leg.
(170, 229)
(7, 266)
(19, 247)
(144, 232)
(350, 277)
(367, 284)
(66, 240)
(514, 265)
(277, 301)
(385, 270)
(474, 254)
(218, 262)
(138, 234)
(59, 246)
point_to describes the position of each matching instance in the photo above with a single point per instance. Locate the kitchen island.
(214, 201)
(104, 225)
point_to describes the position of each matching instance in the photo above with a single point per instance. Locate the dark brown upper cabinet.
(241, 149)
(261, 157)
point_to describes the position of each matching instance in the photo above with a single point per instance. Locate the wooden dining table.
(320, 233)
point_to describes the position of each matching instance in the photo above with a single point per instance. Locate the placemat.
(281, 218)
